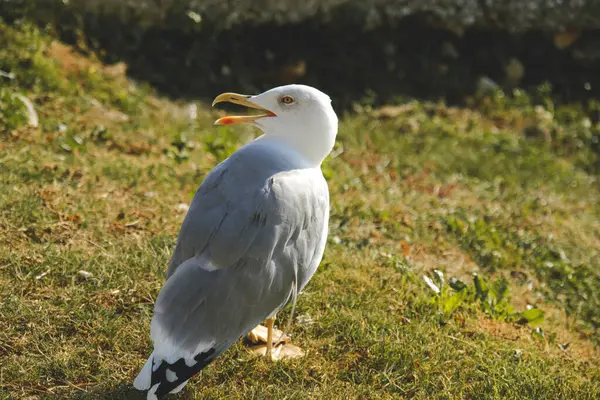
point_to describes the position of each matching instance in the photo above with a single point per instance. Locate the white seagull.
(253, 237)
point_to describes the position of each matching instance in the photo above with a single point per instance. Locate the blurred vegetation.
(349, 48)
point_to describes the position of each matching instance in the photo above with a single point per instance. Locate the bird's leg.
(269, 322)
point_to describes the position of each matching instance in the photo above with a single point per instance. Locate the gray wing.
(252, 231)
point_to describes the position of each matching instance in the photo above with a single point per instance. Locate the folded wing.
(252, 236)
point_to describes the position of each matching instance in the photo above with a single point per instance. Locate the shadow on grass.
(125, 391)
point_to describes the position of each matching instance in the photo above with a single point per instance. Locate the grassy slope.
(98, 187)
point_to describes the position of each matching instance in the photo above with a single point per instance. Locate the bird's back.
(237, 189)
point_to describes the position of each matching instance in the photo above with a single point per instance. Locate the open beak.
(242, 100)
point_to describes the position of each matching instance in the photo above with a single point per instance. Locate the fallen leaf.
(405, 248)
(280, 352)
(259, 335)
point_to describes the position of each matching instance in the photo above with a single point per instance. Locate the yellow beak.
(242, 100)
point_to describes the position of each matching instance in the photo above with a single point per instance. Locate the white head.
(299, 115)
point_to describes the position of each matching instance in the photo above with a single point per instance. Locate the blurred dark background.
(352, 49)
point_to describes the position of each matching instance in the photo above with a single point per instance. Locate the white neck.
(312, 139)
(312, 147)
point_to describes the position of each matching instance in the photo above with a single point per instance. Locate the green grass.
(500, 188)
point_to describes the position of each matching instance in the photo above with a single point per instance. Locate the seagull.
(252, 238)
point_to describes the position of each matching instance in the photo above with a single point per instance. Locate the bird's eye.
(287, 99)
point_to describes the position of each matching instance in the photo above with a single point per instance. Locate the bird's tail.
(142, 381)
(160, 377)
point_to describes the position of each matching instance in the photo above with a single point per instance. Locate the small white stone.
(85, 274)
(518, 353)
(43, 274)
(431, 285)
(194, 16)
